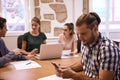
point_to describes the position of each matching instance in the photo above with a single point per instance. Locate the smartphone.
(55, 65)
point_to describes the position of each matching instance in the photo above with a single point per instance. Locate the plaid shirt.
(102, 55)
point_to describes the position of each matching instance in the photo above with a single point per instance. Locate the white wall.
(11, 42)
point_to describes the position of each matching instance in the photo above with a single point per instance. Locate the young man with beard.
(100, 57)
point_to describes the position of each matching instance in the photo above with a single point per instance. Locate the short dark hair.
(90, 19)
(2, 21)
(70, 27)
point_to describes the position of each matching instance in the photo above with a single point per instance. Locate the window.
(114, 14)
(17, 13)
(109, 13)
(14, 12)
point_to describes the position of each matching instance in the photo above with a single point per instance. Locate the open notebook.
(50, 51)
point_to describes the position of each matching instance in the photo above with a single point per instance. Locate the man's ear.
(95, 29)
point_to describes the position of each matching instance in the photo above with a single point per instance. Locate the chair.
(78, 44)
(117, 43)
(19, 41)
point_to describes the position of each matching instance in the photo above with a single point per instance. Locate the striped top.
(102, 55)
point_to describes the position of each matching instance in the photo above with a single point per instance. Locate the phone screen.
(55, 65)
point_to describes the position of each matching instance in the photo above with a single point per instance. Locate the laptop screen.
(50, 51)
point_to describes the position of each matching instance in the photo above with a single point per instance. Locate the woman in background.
(33, 39)
(69, 38)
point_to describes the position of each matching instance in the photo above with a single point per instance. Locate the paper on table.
(69, 56)
(66, 54)
(27, 64)
(52, 77)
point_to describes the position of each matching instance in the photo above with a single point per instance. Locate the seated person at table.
(100, 56)
(5, 54)
(33, 39)
(68, 38)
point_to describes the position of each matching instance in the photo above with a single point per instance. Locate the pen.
(28, 63)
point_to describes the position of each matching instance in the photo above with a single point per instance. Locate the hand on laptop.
(30, 56)
(17, 51)
(34, 51)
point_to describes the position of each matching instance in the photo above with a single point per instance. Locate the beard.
(91, 40)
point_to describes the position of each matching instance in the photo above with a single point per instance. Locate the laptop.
(50, 51)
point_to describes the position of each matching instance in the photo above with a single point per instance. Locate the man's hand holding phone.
(55, 65)
(57, 68)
